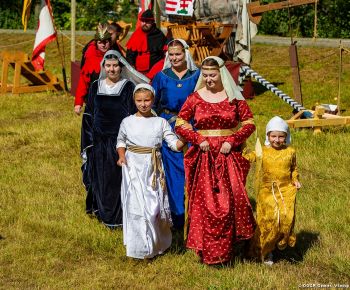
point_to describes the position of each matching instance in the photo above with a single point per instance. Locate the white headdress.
(145, 86)
(277, 124)
(128, 72)
(189, 60)
(232, 90)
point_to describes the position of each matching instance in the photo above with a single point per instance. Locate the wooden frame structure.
(204, 39)
(23, 67)
(255, 10)
(320, 119)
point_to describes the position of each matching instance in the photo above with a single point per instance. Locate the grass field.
(47, 241)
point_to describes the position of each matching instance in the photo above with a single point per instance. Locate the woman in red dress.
(219, 211)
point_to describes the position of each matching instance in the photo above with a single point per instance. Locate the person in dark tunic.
(146, 46)
(90, 69)
(111, 100)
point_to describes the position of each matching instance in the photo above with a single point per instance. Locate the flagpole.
(58, 47)
(72, 25)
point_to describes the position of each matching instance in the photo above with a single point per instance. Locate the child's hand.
(180, 144)
(297, 184)
(187, 126)
(225, 148)
(121, 161)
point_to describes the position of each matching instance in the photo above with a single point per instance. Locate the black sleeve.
(131, 107)
(131, 56)
(91, 96)
(157, 88)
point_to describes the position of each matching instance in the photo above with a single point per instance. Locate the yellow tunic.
(276, 200)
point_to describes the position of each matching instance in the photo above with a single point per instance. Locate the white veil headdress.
(232, 90)
(145, 86)
(189, 60)
(277, 124)
(128, 72)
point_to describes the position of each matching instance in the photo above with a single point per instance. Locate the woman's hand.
(78, 109)
(204, 146)
(225, 148)
(121, 161)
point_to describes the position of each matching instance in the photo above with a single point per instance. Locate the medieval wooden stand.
(23, 68)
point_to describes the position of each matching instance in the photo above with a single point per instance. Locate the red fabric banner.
(45, 33)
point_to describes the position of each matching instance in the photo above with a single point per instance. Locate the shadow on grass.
(259, 89)
(336, 129)
(8, 133)
(2, 237)
(178, 246)
(305, 241)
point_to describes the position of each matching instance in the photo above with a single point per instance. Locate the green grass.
(48, 242)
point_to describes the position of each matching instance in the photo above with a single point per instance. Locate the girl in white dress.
(146, 213)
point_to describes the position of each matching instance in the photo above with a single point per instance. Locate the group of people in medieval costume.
(166, 154)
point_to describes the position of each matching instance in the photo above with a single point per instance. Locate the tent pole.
(72, 43)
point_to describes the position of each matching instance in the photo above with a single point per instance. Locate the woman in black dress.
(111, 100)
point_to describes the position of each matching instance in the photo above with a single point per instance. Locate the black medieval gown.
(108, 111)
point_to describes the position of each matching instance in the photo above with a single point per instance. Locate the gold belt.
(217, 132)
(156, 162)
(166, 111)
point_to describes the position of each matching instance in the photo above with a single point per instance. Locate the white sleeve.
(121, 140)
(169, 136)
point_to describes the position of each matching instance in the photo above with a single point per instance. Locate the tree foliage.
(333, 16)
(11, 15)
(88, 13)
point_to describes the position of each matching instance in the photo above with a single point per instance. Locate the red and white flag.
(143, 6)
(179, 7)
(45, 33)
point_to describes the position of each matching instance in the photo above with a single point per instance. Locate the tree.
(332, 20)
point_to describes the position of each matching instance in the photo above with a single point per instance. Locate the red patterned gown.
(219, 211)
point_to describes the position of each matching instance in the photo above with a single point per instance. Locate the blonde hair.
(143, 90)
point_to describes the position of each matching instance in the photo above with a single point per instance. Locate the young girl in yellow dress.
(277, 184)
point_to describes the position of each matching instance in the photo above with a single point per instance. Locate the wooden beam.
(72, 25)
(4, 76)
(319, 111)
(255, 10)
(294, 63)
(309, 123)
(297, 115)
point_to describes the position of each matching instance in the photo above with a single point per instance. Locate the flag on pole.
(26, 13)
(45, 33)
(179, 7)
(143, 6)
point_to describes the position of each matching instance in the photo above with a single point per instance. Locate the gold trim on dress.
(217, 132)
(248, 122)
(179, 122)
